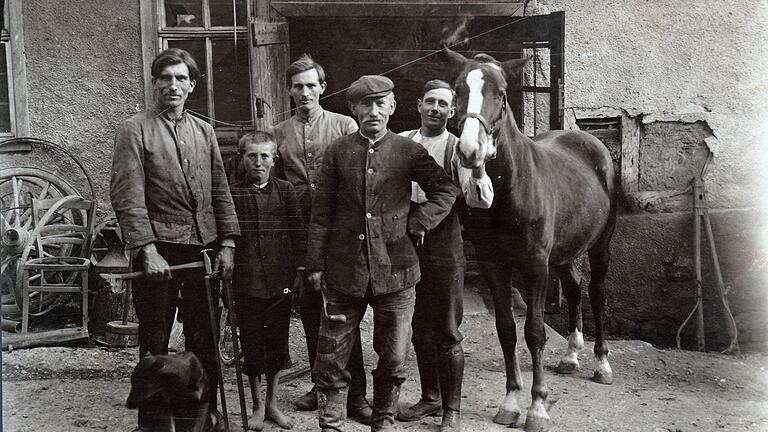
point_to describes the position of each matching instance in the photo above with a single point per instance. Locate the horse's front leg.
(536, 276)
(498, 279)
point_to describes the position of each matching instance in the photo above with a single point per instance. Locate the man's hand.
(155, 265)
(417, 233)
(478, 172)
(298, 284)
(316, 280)
(225, 262)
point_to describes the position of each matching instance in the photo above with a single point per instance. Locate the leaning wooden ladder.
(701, 217)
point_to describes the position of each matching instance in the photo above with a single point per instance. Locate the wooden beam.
(630, 154)
(149, 44)
(19, 67)
(395, 8)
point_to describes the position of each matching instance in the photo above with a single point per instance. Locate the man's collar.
(376, 139)
(167, 113)
(311, 116)
(443, 133)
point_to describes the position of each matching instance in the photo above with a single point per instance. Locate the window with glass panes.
(214, 32)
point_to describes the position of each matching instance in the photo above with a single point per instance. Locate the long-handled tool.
(236, 349)
(701, 216)
(209, 274)
(117, 278)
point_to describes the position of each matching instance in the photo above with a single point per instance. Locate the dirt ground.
(84, 388)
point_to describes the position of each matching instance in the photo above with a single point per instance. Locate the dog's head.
(167, 379)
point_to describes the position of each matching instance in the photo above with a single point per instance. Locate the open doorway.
(400, 48)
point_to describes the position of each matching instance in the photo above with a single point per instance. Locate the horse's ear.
(455, 62)
(514, 68)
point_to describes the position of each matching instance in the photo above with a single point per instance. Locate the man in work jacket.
(171, 198)
(361, 248)
(439, 299)
(301, 142)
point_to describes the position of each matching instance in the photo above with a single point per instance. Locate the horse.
(554, 201)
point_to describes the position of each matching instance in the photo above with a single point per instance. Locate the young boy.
(269, 257)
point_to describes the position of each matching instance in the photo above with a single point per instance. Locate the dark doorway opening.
(400, 47)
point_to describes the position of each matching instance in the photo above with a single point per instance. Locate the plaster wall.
(669, 60)
(683, 70)
(84, 76)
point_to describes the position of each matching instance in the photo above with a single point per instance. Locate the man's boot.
(429, 404)
(308, 401)
(451, 375)
(331, 409)
(385, 398)
(359, 409)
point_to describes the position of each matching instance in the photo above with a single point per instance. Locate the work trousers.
(439, 307)
(155, 303)
(392, 314)
(311, 311)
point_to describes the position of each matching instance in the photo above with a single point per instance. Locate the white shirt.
(478, 192)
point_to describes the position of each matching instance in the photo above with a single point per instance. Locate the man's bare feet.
(273, 413)
(256, 420)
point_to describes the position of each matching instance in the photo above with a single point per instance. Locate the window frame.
(13, 39)
(155, 38)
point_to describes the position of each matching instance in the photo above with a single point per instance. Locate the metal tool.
(701, 216)
(337, 318)
(236, 348)
(117, 278)
(209, 274)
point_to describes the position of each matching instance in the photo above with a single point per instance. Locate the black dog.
(171, 391)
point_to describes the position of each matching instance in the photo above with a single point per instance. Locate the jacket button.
(361, 236)
(368, 215)
(370, 170)
(370, 151)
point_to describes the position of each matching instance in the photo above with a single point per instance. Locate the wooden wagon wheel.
(18, 186)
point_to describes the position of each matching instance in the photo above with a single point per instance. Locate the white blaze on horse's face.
(469, 144)
(475, 143)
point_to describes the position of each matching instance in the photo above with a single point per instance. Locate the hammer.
(337, 318)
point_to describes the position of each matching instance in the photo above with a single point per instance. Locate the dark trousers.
(311, 312)
(156, 302)
(439, 307)
(392, 314)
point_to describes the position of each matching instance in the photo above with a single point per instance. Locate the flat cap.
(369, 86)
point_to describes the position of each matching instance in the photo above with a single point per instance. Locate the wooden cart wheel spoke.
(18, 186)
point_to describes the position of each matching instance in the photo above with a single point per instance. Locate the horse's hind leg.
(498, 279)
(572, 290)
(599, 257)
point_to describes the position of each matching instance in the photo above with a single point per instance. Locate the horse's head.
(481, 103)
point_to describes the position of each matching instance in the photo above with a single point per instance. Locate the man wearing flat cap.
(362, 243)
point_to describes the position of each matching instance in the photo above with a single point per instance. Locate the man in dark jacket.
(361, 248)
(171, 198)
(301, 143)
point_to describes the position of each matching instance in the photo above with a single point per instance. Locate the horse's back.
(581, 148)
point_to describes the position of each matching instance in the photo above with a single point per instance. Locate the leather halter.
(490, 128)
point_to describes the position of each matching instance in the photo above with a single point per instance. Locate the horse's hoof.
(504, 417)
(536, 424)
(565, 367)
(603, 377)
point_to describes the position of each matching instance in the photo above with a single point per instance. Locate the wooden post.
(268, 41)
